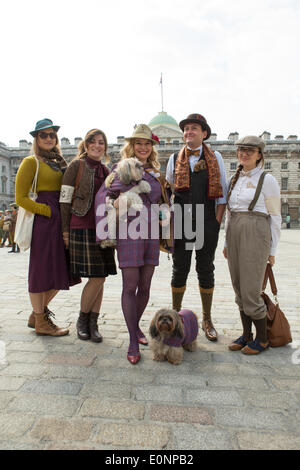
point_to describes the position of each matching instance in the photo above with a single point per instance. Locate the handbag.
(24, 223)
(278, 328)
(7, 226)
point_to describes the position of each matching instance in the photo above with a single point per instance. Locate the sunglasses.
(44, 135)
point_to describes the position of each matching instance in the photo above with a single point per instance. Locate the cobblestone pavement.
(63, 393)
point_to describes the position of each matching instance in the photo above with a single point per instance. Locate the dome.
(163, 119)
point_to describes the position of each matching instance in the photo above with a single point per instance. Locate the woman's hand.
(225, 253)
(66, 238)
(271, 260)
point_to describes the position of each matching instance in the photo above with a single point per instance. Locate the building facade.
(282, 159)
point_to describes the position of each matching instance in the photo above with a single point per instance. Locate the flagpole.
(162, 93)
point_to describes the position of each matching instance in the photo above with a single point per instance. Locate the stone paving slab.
(63, 393)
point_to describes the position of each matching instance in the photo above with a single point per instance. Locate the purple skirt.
(48, 263)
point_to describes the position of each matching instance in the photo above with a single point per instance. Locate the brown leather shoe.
(209, 330)
(45, 326)
(31, 321)
(240, 343)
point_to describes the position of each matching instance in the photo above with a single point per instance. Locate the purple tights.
(135, 296)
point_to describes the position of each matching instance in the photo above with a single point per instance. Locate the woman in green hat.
(48, 267)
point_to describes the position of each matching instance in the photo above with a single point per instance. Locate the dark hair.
(236, 176)
(83, 145)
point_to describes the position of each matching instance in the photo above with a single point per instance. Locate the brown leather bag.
(279, 332)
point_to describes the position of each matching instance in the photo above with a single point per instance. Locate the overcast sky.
(90, 63)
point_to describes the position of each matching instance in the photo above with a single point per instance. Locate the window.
(284, 165)
(284, 184)
(268, 166)
(232, 166)
(176, 142)
(3, 180)
(298, 165)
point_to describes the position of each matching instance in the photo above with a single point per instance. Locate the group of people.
(8, 220)
(66, 244)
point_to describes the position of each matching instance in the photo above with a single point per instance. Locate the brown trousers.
(248, 249)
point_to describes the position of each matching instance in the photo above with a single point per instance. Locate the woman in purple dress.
(138, 248)
(48, 264)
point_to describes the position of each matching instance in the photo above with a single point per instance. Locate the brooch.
(200, 165)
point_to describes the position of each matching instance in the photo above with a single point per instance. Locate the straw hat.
(142, 131)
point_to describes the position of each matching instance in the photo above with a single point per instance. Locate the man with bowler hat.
(197, 175)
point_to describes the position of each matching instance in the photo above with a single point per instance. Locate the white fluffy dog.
(128, 170)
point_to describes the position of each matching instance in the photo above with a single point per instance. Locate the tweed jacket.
(76, 201)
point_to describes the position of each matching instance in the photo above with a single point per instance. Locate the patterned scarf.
(182, 172)
(53, 159)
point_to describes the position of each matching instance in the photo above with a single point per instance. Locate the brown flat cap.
(251, 141)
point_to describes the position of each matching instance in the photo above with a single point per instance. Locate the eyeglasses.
(44, 135)
(247, 150)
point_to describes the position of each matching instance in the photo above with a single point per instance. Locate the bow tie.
(193, 152)
(246, 173)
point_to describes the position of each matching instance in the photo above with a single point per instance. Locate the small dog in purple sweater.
(171, 332)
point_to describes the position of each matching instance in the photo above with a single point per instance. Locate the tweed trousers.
(248, 240)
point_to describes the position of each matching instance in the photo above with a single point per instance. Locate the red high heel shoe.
(143, 340)
(133, 359)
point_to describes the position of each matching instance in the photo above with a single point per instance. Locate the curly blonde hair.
(128, 152)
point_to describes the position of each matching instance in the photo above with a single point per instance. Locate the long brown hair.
(83, 145)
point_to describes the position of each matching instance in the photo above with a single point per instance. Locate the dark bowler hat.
(43, 124)
(198, 119)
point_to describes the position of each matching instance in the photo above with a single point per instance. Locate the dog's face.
(166, 322)
(130, 169)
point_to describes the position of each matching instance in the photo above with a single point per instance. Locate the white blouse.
(268, 201)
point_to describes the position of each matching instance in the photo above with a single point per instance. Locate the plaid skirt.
(87, 259)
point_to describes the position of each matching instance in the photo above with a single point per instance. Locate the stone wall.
(282, 160)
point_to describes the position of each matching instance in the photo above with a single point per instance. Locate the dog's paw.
(174, 362)
(144, 186)
(108, 243)
(158, 358)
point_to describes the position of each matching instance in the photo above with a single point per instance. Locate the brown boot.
(31, 319)
(207, 325)
(94, 332)
(45, 326)
(177, 296)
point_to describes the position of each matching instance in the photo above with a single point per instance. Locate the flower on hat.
(154, 137)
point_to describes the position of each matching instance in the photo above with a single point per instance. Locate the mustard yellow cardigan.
(48, 180)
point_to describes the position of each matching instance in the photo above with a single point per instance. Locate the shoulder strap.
(78, 176)
(269, 275)
(257, 192)
(34, 183)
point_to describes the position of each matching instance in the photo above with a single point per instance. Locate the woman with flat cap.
(252, 228)
(48, 268)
